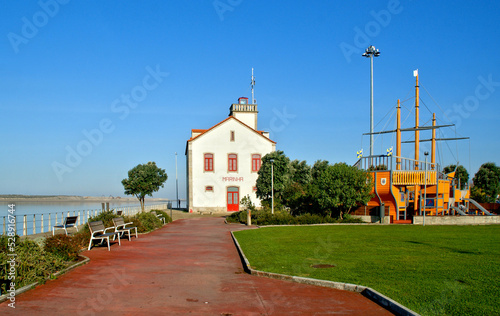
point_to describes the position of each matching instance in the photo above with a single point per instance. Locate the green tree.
(300, 172)
(297, 198)
(281, 169)
(486, 183)
(318, 168)
(144, 179)
(461, 174)
(339, 188)
(295, 193)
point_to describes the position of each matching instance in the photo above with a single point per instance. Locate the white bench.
(98, 232)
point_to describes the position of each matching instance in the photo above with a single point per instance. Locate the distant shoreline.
(70, 198)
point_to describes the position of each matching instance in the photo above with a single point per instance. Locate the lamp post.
(272, 185)
(176, 183)
(371, 52)
(425, 184)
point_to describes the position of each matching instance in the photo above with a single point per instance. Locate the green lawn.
(433, 270)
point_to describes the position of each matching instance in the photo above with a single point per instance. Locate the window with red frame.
(232, 162)
(209, 162)
(256, 162)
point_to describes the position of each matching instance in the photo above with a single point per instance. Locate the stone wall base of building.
(373, 219)
(209, 210)
(456, 220)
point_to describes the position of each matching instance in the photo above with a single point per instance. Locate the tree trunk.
(142, 203)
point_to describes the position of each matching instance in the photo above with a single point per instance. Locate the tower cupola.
(245, 112)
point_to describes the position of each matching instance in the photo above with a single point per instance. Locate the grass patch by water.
(433, 270)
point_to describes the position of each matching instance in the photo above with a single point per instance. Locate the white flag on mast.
(415, 73)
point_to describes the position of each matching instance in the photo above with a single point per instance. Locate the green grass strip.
(433, 270)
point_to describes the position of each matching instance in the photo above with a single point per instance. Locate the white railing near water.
(41, 223)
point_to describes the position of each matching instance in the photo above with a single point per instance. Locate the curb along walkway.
(190, 266)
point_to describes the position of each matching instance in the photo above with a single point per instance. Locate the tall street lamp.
(371, 52)
(425, 184)
(177, 184)
(272, 185)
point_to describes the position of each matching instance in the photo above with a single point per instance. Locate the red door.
(233, 199)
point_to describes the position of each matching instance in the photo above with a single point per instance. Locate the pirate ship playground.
(406, 190)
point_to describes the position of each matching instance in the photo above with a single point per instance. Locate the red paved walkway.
(188, 267)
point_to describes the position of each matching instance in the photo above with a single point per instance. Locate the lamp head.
(371, 51)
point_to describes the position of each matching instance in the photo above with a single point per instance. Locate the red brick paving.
(190, 266)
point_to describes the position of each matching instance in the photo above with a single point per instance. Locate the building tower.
(246, 113)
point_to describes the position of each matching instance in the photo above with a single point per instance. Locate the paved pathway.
(190, 266)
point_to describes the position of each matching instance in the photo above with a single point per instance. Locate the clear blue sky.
(123, 82)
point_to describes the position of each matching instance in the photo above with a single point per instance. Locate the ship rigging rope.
(454, 127)
(455, 158)
(422, 101)
(390, 111)
(441, 133)
(407, 116)
(406, 97)
(387, 122)
(449, 120)
(407, 109)
(440, 149)
(430, 120)
(469, 156)
(361, 142)
(456, 143)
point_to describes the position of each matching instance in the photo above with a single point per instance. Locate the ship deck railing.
(406, 171)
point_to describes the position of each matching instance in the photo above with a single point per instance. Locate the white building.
(222, 162)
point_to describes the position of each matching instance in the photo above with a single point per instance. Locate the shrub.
(315, 219)
(105, 216)
(167, 217)
(147, 222)
(265, 217)
(278, 218)
(63, 246)
(350, 219)
(237, 217)
(82, 238)
(33, 264)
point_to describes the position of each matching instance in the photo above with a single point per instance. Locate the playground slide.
(383, 190)
(398, 203)
(459, 211)
(485, 211)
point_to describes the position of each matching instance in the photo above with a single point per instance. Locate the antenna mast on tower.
(252, 84)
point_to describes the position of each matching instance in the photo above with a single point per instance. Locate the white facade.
(222, 162)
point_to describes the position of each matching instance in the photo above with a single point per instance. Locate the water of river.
(45, 207)
(34, 215)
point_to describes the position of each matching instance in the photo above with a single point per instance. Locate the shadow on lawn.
(456, 250)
